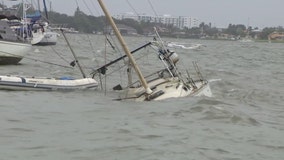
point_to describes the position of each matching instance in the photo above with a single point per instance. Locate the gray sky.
(220, 13)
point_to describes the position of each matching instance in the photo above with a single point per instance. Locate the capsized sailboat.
(163, 84)
(168, 82)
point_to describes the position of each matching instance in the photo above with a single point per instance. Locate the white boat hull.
(44, 38)
(168, 88)
(13, 52)
(41, 83)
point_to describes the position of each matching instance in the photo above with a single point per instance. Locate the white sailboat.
(12, 52)
(164, 84)
(42, 33)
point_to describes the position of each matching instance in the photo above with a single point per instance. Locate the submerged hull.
(40, 83)
(13, 52)
(168, 88)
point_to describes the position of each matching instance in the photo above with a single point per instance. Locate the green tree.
(268, 30)
(236, 30)
(132, 23)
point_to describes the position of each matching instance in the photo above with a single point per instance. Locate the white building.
(128, 15)
(180, 22)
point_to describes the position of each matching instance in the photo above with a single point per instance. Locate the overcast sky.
(220, 13)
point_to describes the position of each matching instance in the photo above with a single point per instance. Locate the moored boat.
(12, 52)
(44, 36)
(12, 47)
(41, 32)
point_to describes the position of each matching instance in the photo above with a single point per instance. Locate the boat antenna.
(125, 48)
(132, 8)
(74, 55)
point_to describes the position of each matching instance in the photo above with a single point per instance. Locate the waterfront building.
(180, 21)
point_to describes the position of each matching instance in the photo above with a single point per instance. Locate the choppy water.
(243, 121)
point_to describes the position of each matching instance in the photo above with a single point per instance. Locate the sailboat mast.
(74, 55)
(45, 9)
(126, 50)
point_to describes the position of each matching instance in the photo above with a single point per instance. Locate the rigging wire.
(92, 46)
(96, 9)
(126, 64)
(37, 60)
(60, 56)
(77, 3)
(105, 63)
(74, 55)
(153, 8)
(132, 7)
(113, 45)
(88, 8)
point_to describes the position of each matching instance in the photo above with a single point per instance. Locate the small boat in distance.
(42, 34)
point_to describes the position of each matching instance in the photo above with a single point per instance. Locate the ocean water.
(244, 120)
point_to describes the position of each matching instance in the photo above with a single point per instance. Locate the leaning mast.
(125, 48)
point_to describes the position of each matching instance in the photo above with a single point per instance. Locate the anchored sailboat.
(12, 50)
(42, 34)
(13, 47)
(163, 84)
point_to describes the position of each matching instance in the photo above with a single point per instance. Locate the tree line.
(89, 24)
